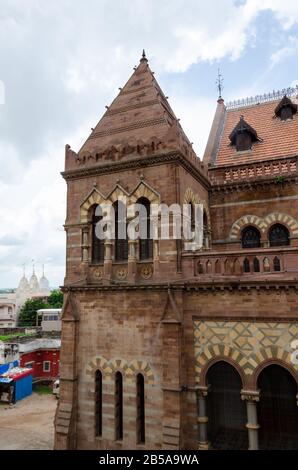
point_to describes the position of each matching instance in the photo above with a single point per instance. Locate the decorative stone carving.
(250, 395)
(121, 273)
(97, 274)
(146, 271)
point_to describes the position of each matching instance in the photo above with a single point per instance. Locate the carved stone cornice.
(251, 185)
(139, 162)
(215, 286)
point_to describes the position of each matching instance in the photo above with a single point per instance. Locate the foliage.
(279, 179)
(28, 312)
(15, 335)
(43, 389)
(55, 299)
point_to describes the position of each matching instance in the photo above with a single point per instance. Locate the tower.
(123, 365)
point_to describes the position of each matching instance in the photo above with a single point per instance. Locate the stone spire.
(43, 282)
(139, 121)
(23, 284)
(33, 283)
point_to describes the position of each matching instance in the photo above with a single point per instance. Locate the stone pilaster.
(66, 414)
(172, 377)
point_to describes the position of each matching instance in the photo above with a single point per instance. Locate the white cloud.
(285, 52)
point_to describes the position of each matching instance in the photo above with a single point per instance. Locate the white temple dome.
(44, 284)
(23, 284)
(33, 284)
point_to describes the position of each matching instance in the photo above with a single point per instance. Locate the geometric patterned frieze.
(129, 369)
(247, 343)
(263, 223)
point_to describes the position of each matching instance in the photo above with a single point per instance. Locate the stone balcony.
(243, 262)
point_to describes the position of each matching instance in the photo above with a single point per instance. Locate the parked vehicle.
(56, 386)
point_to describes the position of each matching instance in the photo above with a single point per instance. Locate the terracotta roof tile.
(279, 138)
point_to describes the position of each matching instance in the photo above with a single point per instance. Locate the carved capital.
(202, 390)
(250, 395)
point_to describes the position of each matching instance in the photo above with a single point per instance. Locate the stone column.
(107, 265)
(132, 261)
(85, 245)
(251, 398)
(202, 392)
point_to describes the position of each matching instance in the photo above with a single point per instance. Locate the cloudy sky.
(62, 61)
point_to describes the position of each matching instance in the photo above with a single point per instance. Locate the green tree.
(28, 312)
(55, 299)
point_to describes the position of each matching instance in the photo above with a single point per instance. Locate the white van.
(56, 385)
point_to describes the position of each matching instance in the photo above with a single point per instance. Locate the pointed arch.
(191, 198)
(93, 198)
(143, 190)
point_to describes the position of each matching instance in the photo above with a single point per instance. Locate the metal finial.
(24, 269)
(33, 267)
(42, 270)
(219, 83)
(144, 56)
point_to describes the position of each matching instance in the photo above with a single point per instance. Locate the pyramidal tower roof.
(138, 122)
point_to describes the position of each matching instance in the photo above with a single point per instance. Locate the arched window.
(251, 237)
(276, 264)
(121, 241)
(118, 406)
(140, 409)
(246, 267)
(225, 409)
(145, 241)
(256, 265)
(98, 403)
(279, 235)
(97, 244)
(277, 409)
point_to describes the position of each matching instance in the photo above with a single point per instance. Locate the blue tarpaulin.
(4, 367)
(23, 387)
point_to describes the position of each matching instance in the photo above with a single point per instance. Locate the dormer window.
(243, 136)
(285, 109)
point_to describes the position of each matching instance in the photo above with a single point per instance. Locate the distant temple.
(11, 303)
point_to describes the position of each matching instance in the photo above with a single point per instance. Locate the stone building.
(165, 347)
